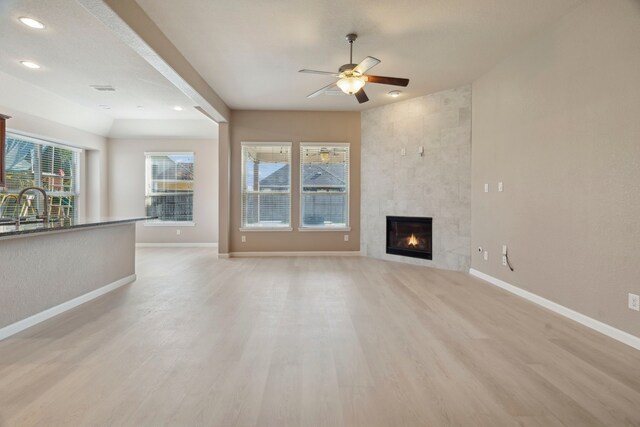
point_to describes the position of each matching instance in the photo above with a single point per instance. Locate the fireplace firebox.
(409, 236)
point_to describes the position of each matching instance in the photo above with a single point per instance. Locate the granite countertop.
(64, 224)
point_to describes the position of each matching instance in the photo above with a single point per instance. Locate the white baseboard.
(23, 324)
(293, 254)
(176, 245)
(596, 325)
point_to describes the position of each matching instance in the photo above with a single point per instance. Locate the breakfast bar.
(48, 268)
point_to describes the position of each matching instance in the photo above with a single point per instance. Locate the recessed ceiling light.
(177, 108)
(394, 93)
(30, 22)
(30, 64)
(140, 107)
(104, 107)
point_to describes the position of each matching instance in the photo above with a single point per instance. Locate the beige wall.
(295, 127)
(127, 186)
(558, 123)
(93, 173)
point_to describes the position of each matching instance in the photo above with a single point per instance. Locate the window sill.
(243, 229)
(324, 228)
(170, 224)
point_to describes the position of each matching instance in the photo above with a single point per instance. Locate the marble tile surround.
(436, 185)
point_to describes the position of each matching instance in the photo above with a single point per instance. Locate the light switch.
(486, 188)
(403, 152)
(500, 186)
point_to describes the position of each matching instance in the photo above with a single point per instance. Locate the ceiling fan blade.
(395, 81)
(321, 91)
(367, 63)
(327, 73)
(361, 96)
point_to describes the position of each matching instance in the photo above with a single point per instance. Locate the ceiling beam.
(127, 20)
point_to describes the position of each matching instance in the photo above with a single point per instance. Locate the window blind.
(32, 162)
(169, 187)
(266, 185)
(324, 178)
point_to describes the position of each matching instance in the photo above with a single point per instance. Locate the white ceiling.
(250, 51)
(75, 51)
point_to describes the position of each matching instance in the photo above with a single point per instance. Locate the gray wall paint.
(436, 185)
(558, 123)
(127, 187)
(40, 271)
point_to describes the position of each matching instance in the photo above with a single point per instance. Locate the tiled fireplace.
(397, 180)
(409, 236)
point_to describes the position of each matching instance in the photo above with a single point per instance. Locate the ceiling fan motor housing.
(347, 67)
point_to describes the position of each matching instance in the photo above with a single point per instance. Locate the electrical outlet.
(486, 255)
(634, 302)
(244, 239)
(178, 232)
(500, 187)
(346, 237)
(403, 151)
(486, 188)
(504, 260)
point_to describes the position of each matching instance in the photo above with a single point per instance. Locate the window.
(324, 188)
(266, 186)
(169, 188)
(32, 162)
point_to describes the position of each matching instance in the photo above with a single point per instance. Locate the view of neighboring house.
(320, 183)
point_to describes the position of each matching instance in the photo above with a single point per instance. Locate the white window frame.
(243, 227)
(324, 227)
(148, 179)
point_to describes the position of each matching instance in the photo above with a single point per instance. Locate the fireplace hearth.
(409, 236)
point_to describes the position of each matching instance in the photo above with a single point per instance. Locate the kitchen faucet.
(45, 216)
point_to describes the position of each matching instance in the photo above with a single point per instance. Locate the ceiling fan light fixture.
(325, 155)
(350, 85)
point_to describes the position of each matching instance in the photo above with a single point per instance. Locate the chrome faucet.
(45, 216)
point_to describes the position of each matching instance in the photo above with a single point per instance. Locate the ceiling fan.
(352, 77)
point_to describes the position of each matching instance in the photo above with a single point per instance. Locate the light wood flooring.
(198, 341)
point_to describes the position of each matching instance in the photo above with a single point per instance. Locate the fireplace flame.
(413, 241)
